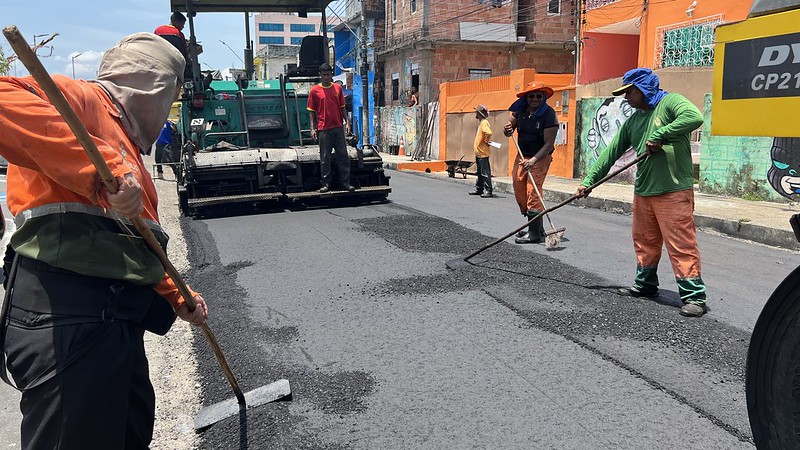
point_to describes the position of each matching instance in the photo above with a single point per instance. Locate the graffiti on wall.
(784, 172)
(398, 122)
(606, 120)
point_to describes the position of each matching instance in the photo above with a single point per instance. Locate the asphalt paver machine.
(757, 93)
(246, 143)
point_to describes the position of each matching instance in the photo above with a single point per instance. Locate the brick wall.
(537, 25)
(443, 18)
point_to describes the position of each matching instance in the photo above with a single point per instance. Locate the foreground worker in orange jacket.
(82, 290)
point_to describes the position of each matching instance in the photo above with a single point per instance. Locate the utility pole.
(73, 64)
(364, 78)
(578, 39)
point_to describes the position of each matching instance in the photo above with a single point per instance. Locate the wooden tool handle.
(39, 73)
(553, 208)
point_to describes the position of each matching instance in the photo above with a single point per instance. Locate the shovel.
(211, 414)
(460, 262)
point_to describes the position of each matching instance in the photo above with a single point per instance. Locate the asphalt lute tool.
(208, 415)
(460, 262)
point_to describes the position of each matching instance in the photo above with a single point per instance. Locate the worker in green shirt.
(663, 201)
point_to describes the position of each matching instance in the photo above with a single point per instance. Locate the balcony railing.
(594, 4)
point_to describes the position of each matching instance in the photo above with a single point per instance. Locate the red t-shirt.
(328, 103)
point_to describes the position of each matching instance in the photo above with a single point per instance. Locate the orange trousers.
(527, 199)
(667, 219)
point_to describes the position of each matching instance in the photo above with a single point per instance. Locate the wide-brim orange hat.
(535, 86)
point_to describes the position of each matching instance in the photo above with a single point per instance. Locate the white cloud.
(86, 64)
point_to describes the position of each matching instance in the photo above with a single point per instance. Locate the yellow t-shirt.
(482, 138)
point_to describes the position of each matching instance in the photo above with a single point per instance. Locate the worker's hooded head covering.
(142, 74)
(646, 81)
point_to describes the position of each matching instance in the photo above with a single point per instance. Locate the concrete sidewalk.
(763, 222)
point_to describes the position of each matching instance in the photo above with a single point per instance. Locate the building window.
(554, 7)
(478, 74)
(395, 86)
(301, 28)
(394, 10)
(413, 6)
(274, 40)
(270, 27)
(296, 40)
(687, 46)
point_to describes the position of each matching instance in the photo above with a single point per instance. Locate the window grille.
(554, 7)
(478, 74)
(687, 44)
(594, 4)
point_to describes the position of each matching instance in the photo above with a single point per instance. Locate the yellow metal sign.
(757, 77)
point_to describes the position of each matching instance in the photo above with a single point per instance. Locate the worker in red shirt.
(326, 112)
(173, 33)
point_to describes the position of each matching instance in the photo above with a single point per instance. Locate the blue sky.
(90, 27)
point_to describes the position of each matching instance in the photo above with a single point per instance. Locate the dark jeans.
(164, 154)
(484, 181)
(333, 139)
(99, 396)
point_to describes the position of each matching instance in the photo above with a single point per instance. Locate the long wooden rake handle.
(553, 208)
(533, 182)
(39, 73)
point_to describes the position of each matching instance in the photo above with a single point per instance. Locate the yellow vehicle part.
(757, 77)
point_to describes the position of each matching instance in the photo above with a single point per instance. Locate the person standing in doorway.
(483, 184)
(328, 118)
(537, 126)
(663, 195)
(412, 96)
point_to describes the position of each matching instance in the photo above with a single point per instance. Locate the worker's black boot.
(523, 231)
(535, 233)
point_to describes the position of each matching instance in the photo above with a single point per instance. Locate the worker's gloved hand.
(508, 129)
(653, 147)
(582, 192)
(128, 199)
(196, 317)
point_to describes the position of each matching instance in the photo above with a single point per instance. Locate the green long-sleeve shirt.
(670, 170)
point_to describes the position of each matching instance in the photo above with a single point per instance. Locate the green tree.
(5, 64)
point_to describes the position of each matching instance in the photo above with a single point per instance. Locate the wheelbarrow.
(458, 166)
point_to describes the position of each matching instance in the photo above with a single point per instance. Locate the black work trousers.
(75, 348)
(333, 139)
(484, 181)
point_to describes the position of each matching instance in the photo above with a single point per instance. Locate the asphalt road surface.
(385, 347)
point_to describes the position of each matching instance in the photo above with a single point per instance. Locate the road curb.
(736, 229)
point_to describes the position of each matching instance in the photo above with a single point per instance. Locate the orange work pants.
(523, 188)
(667, 219)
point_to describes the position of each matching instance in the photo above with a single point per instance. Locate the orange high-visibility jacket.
(47, 164)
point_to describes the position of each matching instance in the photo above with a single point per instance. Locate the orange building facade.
(457, 122)
(618, 35)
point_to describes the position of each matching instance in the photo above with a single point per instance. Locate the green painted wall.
(735, 166)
